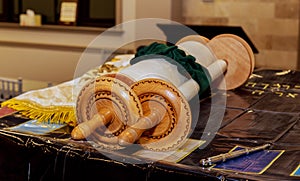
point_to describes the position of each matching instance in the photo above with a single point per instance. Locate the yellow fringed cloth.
(57, 104)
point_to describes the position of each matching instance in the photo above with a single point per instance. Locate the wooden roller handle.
(84, 129)
(134, 132)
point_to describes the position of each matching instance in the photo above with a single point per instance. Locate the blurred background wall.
(272, 25)
(51, 55)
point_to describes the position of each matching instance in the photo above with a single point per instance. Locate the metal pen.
(223, 157)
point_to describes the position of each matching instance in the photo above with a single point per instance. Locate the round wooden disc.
(114, 95)
(175, 126)
(238, 55)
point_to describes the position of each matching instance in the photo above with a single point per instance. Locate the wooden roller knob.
(134, 132)
(84, 129)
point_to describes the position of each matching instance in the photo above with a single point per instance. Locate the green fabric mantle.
(186, 64)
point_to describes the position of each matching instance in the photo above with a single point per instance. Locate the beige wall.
(43, 55)
(273, 25)
(34, 54)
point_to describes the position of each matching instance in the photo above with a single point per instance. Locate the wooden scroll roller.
(166, 120)
(225, 54)
(167, 117)
(104, 107)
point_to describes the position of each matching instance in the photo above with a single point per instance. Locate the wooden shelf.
(65, 28)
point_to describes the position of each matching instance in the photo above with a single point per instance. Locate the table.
(264, 110)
